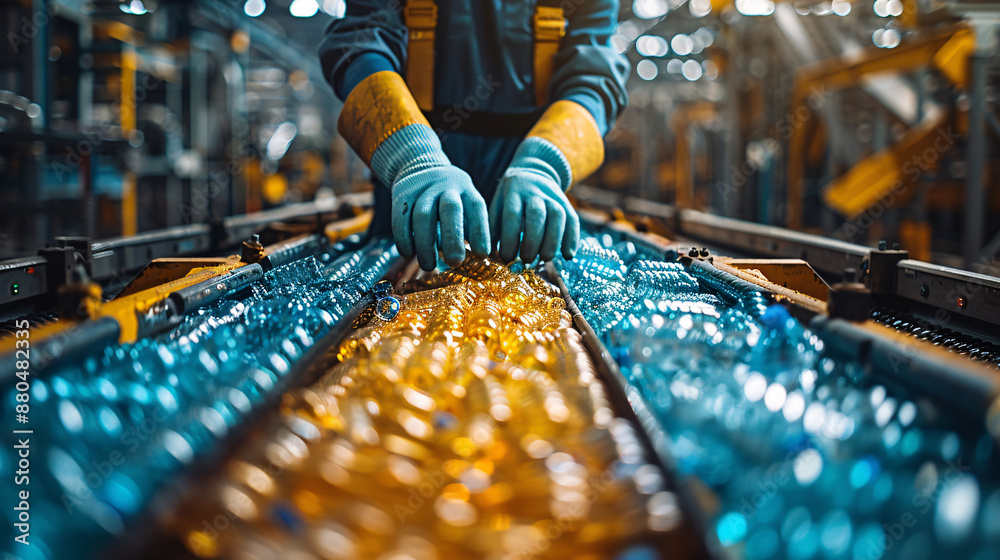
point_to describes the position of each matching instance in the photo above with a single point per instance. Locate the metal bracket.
(882, 269)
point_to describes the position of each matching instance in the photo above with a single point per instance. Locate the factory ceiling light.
(674, 66)
(650, 9)
(886, 38)
(134, 7)
(755, 7)
(887, 8)
(703, 37)
(303, 8)
(700, 8)
(335, 8)
(282, 138)
(691, 70)
(682, 44)
(646, 69)
(651, 45)
(254, 8)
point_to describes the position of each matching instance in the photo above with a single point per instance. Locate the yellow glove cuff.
(572, 129)
(375, 109)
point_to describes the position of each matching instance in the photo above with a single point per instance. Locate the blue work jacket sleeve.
(371, 37)
(588, 70)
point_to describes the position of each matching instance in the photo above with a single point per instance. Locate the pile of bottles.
(111, 430)
(803, 456)
(467, 423)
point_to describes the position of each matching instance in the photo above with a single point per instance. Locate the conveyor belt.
(114, 423)
(801, 444)
(730, 393)
(960, 343)
(469, 424)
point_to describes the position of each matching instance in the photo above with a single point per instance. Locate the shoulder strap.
(550, 27)
(421, 22)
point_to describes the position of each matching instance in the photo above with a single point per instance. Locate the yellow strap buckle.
(421, 16)
(550, 24)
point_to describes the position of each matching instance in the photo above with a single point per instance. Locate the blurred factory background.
(119, 118)
(855, 120)
(859, 121)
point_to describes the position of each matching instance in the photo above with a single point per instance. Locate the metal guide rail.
(154, 310)
(948, 294)
(972, 387)
(827, 255)
(111, 260)
(950, 290)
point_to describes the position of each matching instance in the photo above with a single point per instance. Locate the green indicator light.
(15, 289)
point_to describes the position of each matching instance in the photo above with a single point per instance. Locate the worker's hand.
(440, 195)
(530, 212)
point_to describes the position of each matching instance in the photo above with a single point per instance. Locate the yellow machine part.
(126, 310)
(887, 175)
(953, 58)
(915, 237)
(275, 188)
(781, 275)
(161, 271)
(686, 115)
(339, 230)
(794, 274)
(876, 176)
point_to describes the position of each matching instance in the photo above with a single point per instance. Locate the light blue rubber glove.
(530, 211)
(429, 193)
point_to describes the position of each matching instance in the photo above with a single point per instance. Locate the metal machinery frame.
(113, 120)
(961, 294)
(74, 275)
(885, 176)
(825, 123)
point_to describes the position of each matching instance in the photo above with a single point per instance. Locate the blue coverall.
(484, 63)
